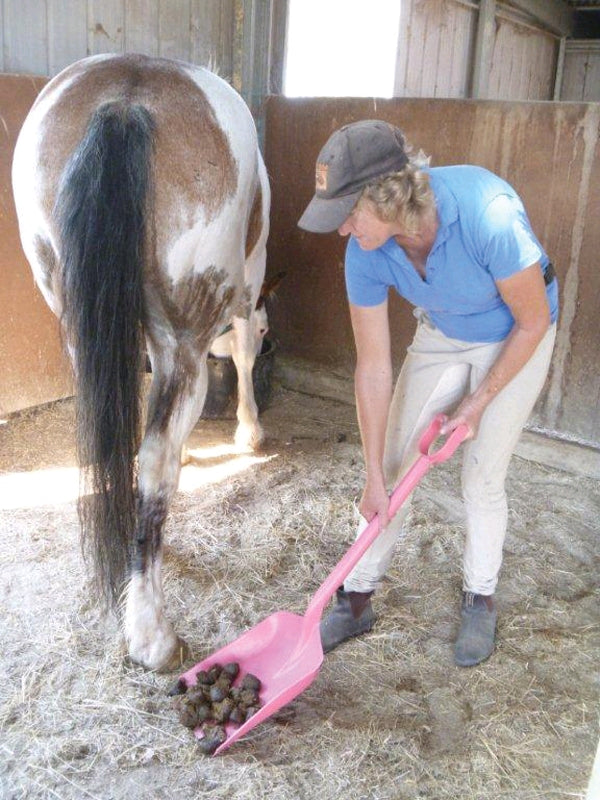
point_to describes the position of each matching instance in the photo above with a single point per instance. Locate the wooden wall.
(548, 151)
(32, 364)
(244, 40)
(581, 74)
(436, 52)
(44, 36)
(241, 40)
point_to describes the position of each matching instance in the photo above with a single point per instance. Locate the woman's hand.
(375, 500)
(468, 413)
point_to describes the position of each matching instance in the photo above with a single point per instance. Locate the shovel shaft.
(397, 499)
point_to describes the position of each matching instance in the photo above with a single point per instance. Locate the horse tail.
(101, 208)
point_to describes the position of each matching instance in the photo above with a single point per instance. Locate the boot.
(475, 641)
(351, 616)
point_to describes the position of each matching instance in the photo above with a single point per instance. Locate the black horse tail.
(101, 209)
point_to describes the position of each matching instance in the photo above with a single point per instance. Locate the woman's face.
(368, 230)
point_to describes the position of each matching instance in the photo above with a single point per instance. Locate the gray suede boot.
(351, 616)
(475, 640)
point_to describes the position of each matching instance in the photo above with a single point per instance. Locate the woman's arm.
(373, 387)
(525, 294)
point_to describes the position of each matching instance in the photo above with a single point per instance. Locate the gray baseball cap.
(352, 157)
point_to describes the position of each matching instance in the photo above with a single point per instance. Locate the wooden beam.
(560, 68)
(484, 44)
(279, 24)
(555, 15)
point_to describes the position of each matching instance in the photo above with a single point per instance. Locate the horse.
(143, 208)
(222, 346)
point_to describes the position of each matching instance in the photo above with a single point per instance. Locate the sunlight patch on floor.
(60, 485)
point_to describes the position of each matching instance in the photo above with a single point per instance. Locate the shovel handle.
(398, 497)
(447, 449)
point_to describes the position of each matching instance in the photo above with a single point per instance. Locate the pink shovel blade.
(284, 650)
(274, 651)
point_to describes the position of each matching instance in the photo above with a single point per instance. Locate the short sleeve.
(507, 242)
(364, 285)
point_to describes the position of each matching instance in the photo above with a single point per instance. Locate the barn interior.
(512, 86)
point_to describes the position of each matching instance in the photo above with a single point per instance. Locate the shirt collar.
(446, 205)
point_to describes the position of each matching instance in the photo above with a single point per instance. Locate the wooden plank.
(106, 26)
(277, 47)
(414, 53)
(445, 54)
(25, 37)
(174, 39)
(573, 85)
(211, 35)
(484, 43)
(582, 71)
(463, 44)
(2, 67)
(433, 18)
(591, 89)
(67, 33)
(141, 27)
(400, 73)
(256, 36)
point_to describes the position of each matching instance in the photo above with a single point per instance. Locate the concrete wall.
(548, 151)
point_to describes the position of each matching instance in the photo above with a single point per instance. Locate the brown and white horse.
(143, 206)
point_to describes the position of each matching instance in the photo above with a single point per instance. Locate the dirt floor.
(389, 716)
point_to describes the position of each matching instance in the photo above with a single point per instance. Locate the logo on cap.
(321, 177)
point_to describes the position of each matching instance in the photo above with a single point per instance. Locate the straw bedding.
(389, 716)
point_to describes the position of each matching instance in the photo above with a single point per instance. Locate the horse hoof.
(178, 657)
(248, 437)
(157, 662)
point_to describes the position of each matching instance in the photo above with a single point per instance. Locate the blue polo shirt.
(484, 236)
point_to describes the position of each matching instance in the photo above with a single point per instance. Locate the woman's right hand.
(375, 500)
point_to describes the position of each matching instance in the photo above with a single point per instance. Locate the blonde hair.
(405, 196)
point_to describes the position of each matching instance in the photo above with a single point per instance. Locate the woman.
(456, 242)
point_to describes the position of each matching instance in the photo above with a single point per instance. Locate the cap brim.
(324, 216)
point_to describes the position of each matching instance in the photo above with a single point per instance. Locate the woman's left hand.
(468, 413)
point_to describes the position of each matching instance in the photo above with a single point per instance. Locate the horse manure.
(250, 681)
(248, 697)
(178, 688)
(214, 735)
(195, 695)
(237, 715)
(204, 712)
(188, 715)
(212, 701)
(216, 693)
(221, 712)
(213, 673)
(232, 670)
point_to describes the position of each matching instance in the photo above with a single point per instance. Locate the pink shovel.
(284, 650)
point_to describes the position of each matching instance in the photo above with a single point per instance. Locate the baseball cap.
(352, 157)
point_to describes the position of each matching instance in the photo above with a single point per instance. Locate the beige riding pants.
(436, 375)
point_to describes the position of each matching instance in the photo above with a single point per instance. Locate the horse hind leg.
(249, 433)
(174, 406)
(245, 345)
